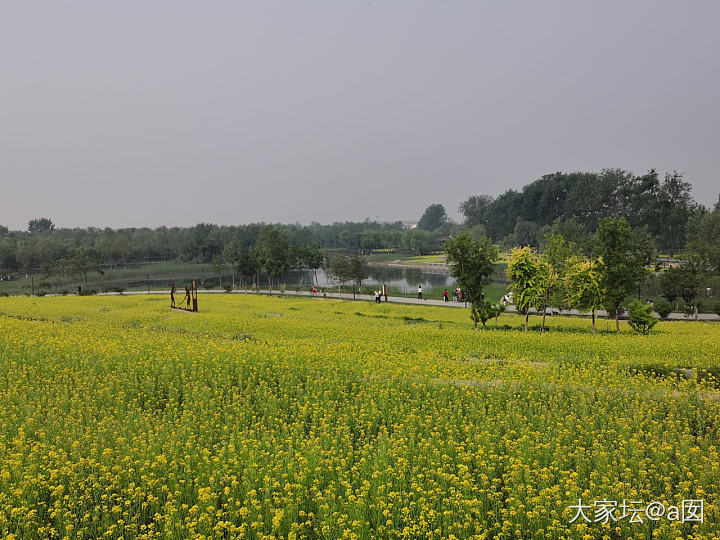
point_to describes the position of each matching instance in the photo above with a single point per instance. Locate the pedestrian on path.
(445, 295)
(419, 292)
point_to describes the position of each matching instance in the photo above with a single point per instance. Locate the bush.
(114, 289)
(717, 308)
(663, 308)
(88, 292)
(640, 317)
(228, 287)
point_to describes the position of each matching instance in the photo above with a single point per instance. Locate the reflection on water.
(406, 279)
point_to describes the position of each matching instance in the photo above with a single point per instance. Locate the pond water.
(403, 280)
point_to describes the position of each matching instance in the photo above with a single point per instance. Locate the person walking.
(314, 290)
(419, 292)
(445, 295)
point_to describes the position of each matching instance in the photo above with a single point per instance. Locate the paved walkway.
(408, 300)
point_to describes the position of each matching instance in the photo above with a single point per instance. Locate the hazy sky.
(144, 113)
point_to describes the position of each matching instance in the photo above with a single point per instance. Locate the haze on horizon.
(173, 113)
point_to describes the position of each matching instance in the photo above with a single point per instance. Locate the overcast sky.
(139, 113)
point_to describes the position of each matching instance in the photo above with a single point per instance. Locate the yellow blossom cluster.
(272, 417)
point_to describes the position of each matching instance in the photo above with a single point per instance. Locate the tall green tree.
(683, 281)
(433, 217)
(704, 238)
(358, 269)
(339, 268)
(624, 256)
(525, 276)
(39, 225)
(272, 253)
(472, 263)
(583, 285)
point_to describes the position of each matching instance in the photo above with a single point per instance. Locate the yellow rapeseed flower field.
(306, 418)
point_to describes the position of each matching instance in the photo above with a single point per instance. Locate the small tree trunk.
(527, 316)
(475, 318)
(617, 320)
(695, 308)
(593, 320)
(543, 321)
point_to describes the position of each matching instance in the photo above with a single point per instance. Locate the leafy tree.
(663, 308)
(486, 310)
(683, 281)
(314, 259)
(339, 267)
(433, 217)
(675, 206)
(358, 269)
(40, 225)
(624, 258)
(583, 285)
(475, 209)
(219, 265)
(477, 231)
(272, 253)
(525, 276)
(546, 283)
(248, 267)
(472, 263)
(704, 237)
(640, 317)
(420, 242)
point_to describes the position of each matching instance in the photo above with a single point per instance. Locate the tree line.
(663, 208)
(45, 248)
(602, 274)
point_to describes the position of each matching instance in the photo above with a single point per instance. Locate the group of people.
(378, 295)
(457, 295)
(173, 290)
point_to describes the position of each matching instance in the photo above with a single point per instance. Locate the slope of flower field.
(284, 417)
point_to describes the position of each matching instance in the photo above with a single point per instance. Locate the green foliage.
(358, 269)
(522, 271)
(624, 258)
(583, 285)
(640, 317)
(40, 225)
(472, 264)
(704, 237)
(433, 217)
(663, 308)
(486, 310)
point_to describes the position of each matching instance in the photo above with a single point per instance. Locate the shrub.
(663, 308)
(717, 308)
(88, 292)
(640, 317)
(114, 289)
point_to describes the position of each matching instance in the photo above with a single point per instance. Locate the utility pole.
(32, 285)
